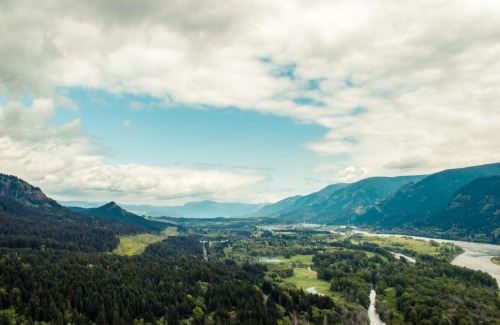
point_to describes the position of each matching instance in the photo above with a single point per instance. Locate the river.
(476, 256)
(205, 254)
(372, 312)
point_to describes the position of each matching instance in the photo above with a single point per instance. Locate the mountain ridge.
(30, 219)
(481, 198)
(14, 187)
(337, 203)
(427, 197)
(198, 209)
(113, 211)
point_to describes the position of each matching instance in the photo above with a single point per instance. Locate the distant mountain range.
(460, 203)
(201, 209)
(298, 202)
(457, 203)
(422, 200)
(338, 203)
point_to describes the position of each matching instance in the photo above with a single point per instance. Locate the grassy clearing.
(135, 245)
(496, 260)
(305, 278)
(399, 243)
(305, 260)
(170, 231)
(390, 301)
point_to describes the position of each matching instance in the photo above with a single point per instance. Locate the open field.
(135, 245)
(390, 300)
(170, 231)
(305, 260)
(400, 243)
(305, 278)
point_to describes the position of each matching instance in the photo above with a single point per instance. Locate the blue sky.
(189, 136)
(140, 129)
(243, 101)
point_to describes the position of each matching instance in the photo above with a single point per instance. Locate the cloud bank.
(65, 161)
(403, 88)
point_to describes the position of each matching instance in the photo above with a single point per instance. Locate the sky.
(167, 102)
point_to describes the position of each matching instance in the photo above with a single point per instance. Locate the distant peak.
(111, 204)
(199, 203)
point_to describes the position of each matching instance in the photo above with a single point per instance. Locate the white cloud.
(349, 175)
(31, 146)
(154, 184)
(126, 124)
(405, 87)
(66, 164)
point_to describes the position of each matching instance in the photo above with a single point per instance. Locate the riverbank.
(476, 256)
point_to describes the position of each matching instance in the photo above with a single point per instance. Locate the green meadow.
(136, 244)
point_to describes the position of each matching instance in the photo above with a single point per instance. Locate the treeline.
(429, 292)
(169, 284)
(350, 272)
(446, 252)
(64, 287)
(281, 245)
(176, 246)
(438, 293)
(295, 304)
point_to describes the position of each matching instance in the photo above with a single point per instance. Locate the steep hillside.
(357, 198)
(474, 211)
(21, 191)
(414, 204)
(340, 202)
(28, 218)
(286, 204)
(298, 202)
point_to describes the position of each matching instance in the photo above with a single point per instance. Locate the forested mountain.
(337, 203)
(24, 193)
(419, 201)
(28, 218)
(455, 203)
(437, 204)
(474, 211)
(480, 198)
(112, 211)
(298, 201)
